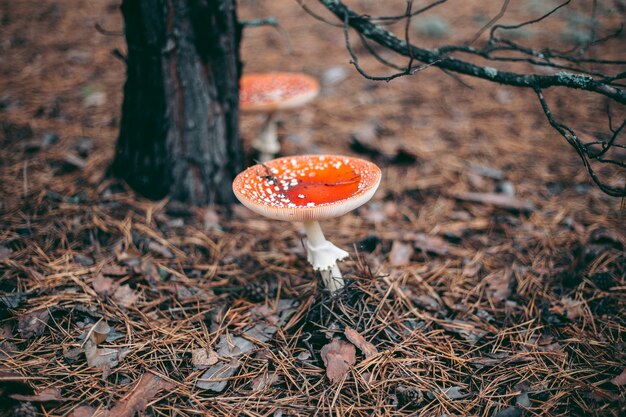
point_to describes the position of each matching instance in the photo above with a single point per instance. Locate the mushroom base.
(323, 256)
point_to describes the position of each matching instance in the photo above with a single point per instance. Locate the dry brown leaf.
(103, 285)
(114, 270)
(499, 285)
(83, 411)
(472, 269)
(47, 394)
(359, 341)
(571, 308)
(9, 375)
(400, 254)
(429, 244)
(148, 387)
(33, 324)
(6, 346)
(125, 296)
(498, 200)
(338, 356)
(4, 253)
(203, 358)
(620, 380)
(149, 270)
(159, 249)
(455, 393)
(216, 377)
(264, 380)
(103, 358)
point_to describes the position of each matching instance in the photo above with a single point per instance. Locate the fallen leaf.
(103, 285)
(264, 380)
(471, 269)
(338, 356)
(4, 253)
(6, 346)
(400, 254)
(103, 358)
(427, 302)
(72, 354)
(203, 358)
(216, 377)
(620, 380)
(160, 249)
(230, 348)
(499, 285)
(523, 400)
(509, 412)
(125, 296)
(374, 212)
(466, 329)
(428, 244)
(571, 308)
(359, 341)
(148, 387)
(84, 260)
(83, 411)
(275, 315)
(7, 375)
(497, 200)
(149, 270)
(47, 394)
(33, 324)
(455, 393)
(114, 270)
(261, 332)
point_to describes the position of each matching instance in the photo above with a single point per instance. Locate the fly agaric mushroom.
(268, 93)
(310, 188)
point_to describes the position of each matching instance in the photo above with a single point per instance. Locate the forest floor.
(111, 304)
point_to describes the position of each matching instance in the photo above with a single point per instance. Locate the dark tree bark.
(179, 131)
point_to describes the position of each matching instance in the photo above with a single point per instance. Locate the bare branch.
(434, 57)
(580, 148)
(575, 71)
(490, 23)
(406, 15)
(528, 22)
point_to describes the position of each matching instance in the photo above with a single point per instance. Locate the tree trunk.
(179, 132)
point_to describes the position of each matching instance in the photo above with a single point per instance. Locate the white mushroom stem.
(323, 255)
(267, 141)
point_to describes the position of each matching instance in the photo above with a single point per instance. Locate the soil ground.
(514, 306)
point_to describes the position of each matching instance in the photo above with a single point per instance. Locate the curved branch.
(576, 76)
(573, 140)
(389, 40)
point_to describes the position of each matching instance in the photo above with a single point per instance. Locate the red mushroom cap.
(268, 92)
(307, 187)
